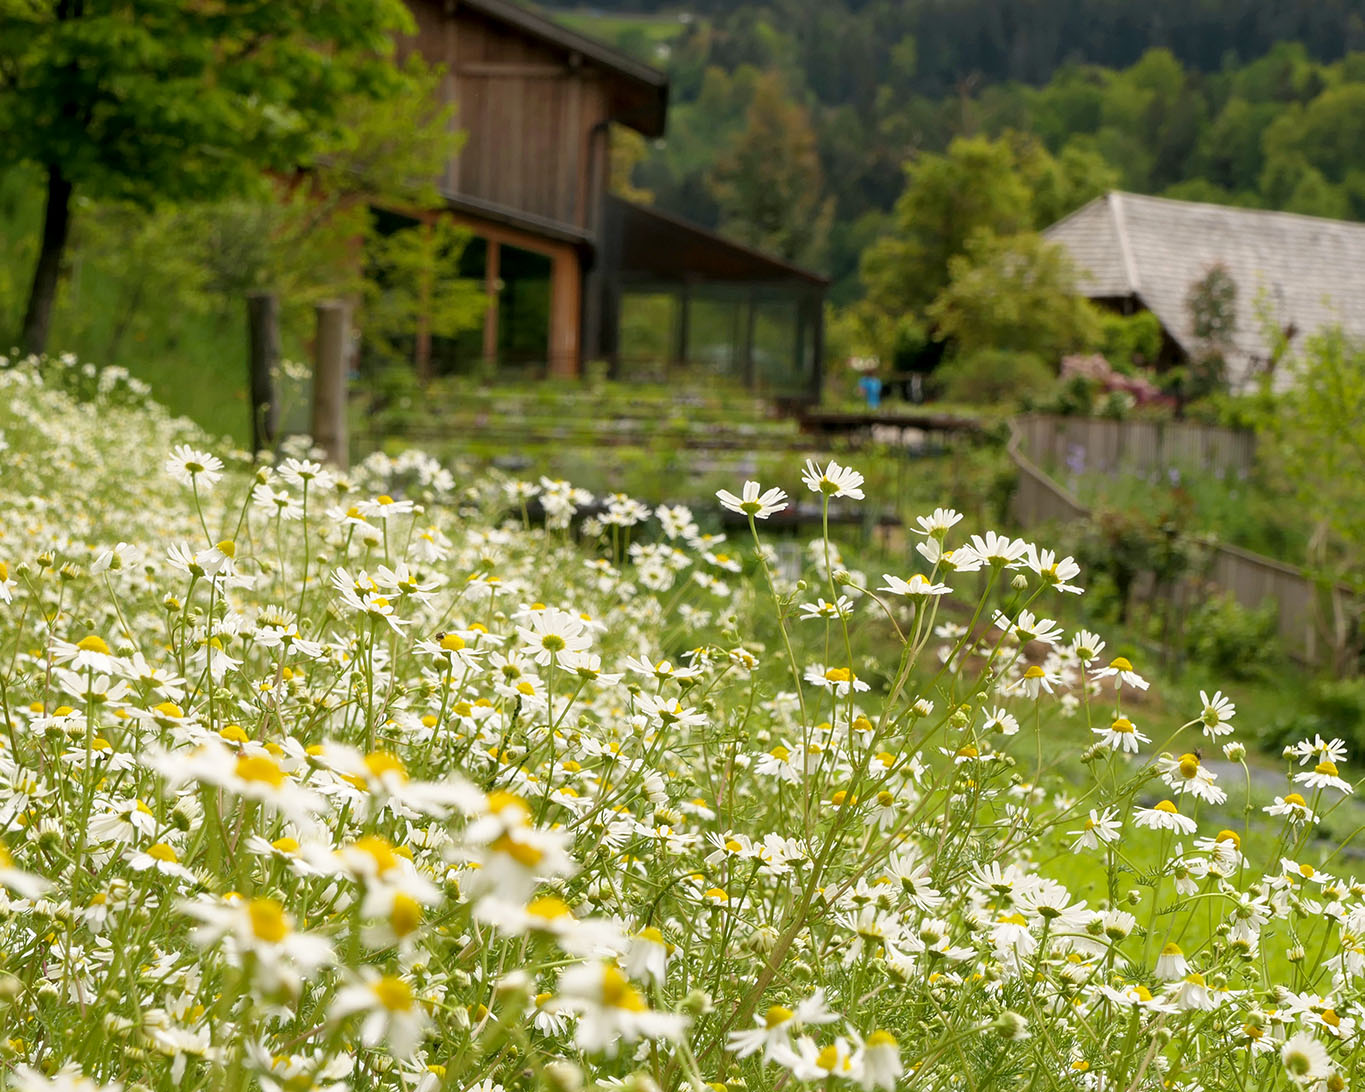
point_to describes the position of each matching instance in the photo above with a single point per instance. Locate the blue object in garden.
(871, 387)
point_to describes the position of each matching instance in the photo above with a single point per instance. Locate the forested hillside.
(792, 122)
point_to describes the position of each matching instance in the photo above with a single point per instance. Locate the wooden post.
(263, 357)
(329, 381)
(491, 272)
(566, 313)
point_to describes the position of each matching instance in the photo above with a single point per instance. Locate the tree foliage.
(172, 101)
(768, 184)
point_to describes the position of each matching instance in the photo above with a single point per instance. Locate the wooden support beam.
(329, 381)
(566, 313)
(263, 357)
(491, 273)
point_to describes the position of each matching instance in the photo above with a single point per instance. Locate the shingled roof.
(1309, 271)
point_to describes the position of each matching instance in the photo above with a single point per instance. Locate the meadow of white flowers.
(384, 779)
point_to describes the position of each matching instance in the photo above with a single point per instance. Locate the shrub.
(994, 376)
(1230, 639)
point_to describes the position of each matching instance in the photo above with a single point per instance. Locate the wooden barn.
(1302, 273)
(574, 274)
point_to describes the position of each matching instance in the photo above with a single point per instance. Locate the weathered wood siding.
(531, 115)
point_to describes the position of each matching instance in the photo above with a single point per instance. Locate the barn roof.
(641, 100)
(1310, 272)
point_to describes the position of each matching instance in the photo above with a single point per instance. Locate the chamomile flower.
(392, 1016)
(190, 466)
(833, 481)
(917, 587)
(610, 1010)
(1164, 816)
(1324, 775)
(1217, 711)
(753, 503)
(1120, 669)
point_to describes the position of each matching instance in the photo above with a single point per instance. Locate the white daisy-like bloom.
(753, 503)
(160, 857)
(842, 607)
(647, 955)
(1029, 627)
(27, 884)
(775, 1027)
(67, 1079)
(1121, 735)
(552, 631)
(1292, 805)
(1188, 774)
(1002, 721)
(252, 773)
(1171, 964)
(841, 680)
(1087, 646)
(1218, 710)
(1057, 574)
(1324, 775)
(1034, 681)
(879, 1062)
(610, 1010)
(1192, 993)
(998, 550)
(1317, 749)
(938, 523)
(190, 466)
(833, 481)
(960, 560)
(1100, 828)
(917, 587)
(1120, 669)
(385, 507)
(1305, 1059)
(1164, 816)
(258, 927)
(393, 1016)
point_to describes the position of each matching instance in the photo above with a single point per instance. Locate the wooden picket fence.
(1314, 619)
(1141, 448)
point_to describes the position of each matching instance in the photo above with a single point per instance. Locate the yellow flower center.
(393, 993)
(379, 850)
(169, 710)
(1123, 724)
(548, 908)
(285, 845)
(1189, 765)
(452, 642)
(528, 856)
(1034, 672)
(619, 993)
(162, 852)
(777, 1015)
(227, 548)
(1230, 836)
(1168, 807)
(1296, 800)
(1121, 663)
(1326, 767)
(828, 1058)
(92, 643)
(380, 763)
(268, 921)
(260, 769)
(406, 914)
(838, 674)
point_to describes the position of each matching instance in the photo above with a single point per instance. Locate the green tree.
(170, 100)
(947, 199)
(1017, 293)
(768, 184)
